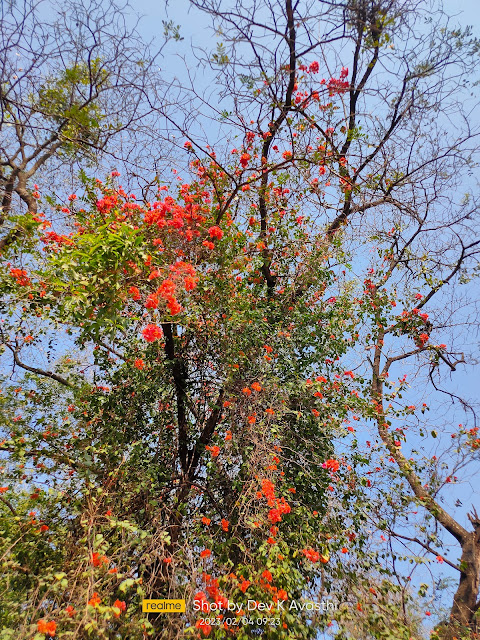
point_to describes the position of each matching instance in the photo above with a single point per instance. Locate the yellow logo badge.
(163, 606)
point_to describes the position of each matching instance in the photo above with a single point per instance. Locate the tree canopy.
(228, 358)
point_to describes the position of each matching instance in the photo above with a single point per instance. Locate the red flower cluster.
(53, 238)
(215, 232)
(152, 333)
(20, 276)
(275, 515)
(268, 491)
(244, 159)
(97, 560)
(119, 604)
(333, 465)
(311, 554)
(47, 627)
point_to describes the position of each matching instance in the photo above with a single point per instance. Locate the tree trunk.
(463, 623)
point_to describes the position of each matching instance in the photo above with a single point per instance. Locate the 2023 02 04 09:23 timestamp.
(244, 621)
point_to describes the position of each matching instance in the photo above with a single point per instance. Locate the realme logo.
(163, 606)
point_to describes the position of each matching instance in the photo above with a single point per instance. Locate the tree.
(73, 82)
(202, 446)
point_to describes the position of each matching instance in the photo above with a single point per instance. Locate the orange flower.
(266, 575)
(225, 524)
(152, 333)
(247, 391)
(204, 626)
(121, 606)
(135, 293)
(311, 554)
(271, 412)
(139, 364)
(334, 465)
(206, 521)
(70, 611)
(244, 585)
(94, 600)
(228, 436)
(205, 553)
(46, 627)
(256, 386)
(97, 560)
(251, 419)
(3, 489)
(282, 594)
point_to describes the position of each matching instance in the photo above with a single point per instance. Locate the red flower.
(204, 626)
(152, 301)
(21, 277)
(190, 283)
(200, 598)
(139, 364)
(47, 627)
(268, 489)
(174, 307)
(152, 333)
(266, 575)
(70, 611)
(94, 600)
(274, 515)
(244, 585)
(135, 293)
(205, 553)
(97, 560)
(119, 604)
(311, 554)
(3, 489)
(215, 232)
(334, 465)
(208, 244)
(244, 158)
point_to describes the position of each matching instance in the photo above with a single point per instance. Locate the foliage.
(216, 351)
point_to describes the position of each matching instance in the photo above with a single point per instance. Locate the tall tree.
(239, 336)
